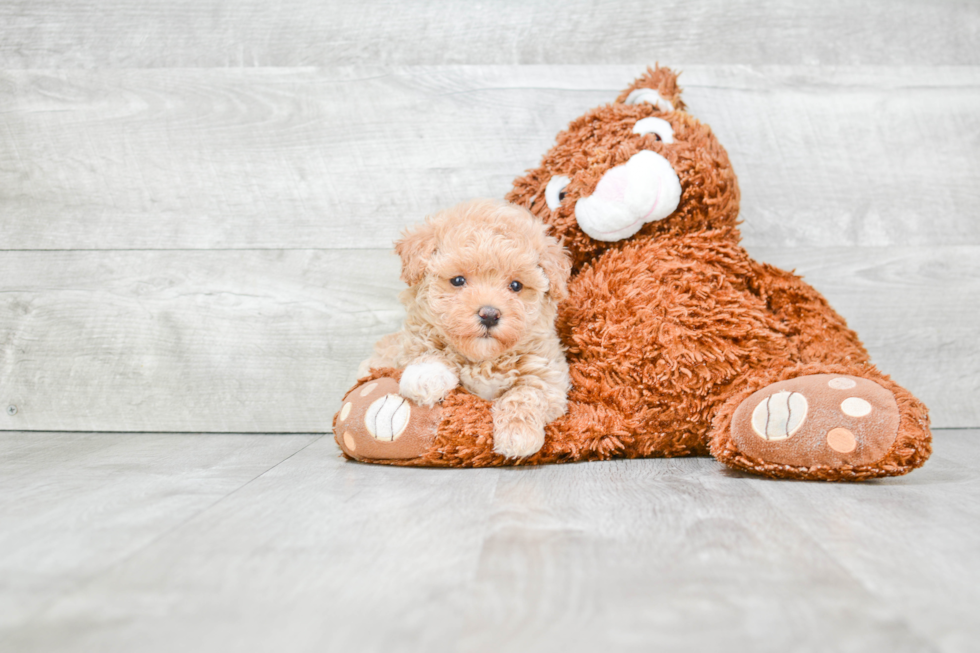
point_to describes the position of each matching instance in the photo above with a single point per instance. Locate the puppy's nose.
(489, 316)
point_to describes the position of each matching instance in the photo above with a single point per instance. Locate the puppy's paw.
(364, 368)
(427, 383)
(517, 440)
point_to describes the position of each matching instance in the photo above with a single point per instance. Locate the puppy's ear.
(557, 265)
(415, 248)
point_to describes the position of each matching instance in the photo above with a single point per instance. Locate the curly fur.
(519, 363)
(668, 331)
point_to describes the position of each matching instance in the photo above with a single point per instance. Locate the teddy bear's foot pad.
(830, 420)
(376, 423)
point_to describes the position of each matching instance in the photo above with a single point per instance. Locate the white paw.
(427, 383)
(517, 440)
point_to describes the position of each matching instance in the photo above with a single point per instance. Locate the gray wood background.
(197, 199)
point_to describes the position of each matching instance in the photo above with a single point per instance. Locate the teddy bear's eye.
(516, 286)
(657, 126)
(554, 192)
(458, 281)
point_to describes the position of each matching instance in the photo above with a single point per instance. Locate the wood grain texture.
(268, 341)
(209, 33)
(677, 556)
(73, 506)
(347, 157)
(263, 543)
(314, 554)
(188, 341)
(934, 591)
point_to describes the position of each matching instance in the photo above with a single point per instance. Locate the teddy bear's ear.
(557, 265)
(416, 247)
(658, 86)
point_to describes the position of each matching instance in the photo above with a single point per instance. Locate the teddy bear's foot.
(824, 426)
(377, 424)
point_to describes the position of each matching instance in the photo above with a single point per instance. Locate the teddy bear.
(678, 342)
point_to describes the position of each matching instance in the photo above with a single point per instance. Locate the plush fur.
(669, 330)
(484, 285)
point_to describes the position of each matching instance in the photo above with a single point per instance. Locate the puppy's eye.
(554, 192)
(458, 281)
(516, 286)
(656, 126)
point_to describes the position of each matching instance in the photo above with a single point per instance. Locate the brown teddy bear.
(678, 342)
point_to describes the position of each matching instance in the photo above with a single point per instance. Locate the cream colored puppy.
(484, 284)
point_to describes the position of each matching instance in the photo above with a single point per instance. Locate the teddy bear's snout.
(644, 189)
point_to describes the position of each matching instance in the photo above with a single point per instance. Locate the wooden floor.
(197, 205)
(163, 542)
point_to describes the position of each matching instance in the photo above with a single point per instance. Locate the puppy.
(484, 284)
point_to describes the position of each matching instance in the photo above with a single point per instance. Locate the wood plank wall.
(197, 199)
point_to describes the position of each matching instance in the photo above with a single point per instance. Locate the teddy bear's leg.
(823, 422)
(376, 424)
(817, 332)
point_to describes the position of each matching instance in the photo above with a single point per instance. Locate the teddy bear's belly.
(664, 331)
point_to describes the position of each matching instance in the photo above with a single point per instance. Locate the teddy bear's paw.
(822, 420)
(376, 422)
(517, 439)
(427, 383)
